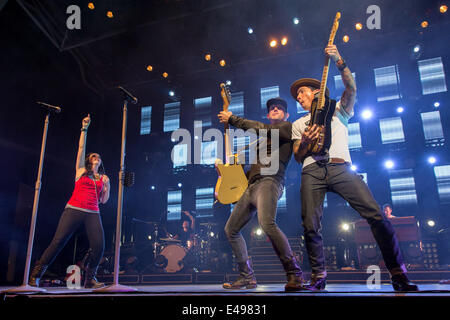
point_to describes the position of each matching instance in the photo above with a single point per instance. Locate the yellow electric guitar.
(232, 181)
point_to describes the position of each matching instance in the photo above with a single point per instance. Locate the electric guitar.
(322, 107)
(232, 181)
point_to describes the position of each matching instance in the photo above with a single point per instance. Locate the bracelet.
(84, 129)
(341, 65)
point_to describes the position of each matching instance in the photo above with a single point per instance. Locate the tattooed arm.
(349, 95)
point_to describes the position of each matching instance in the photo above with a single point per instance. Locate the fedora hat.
(277, 101)
(306, 82)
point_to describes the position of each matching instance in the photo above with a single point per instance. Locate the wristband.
(84, 129)
(340, 64)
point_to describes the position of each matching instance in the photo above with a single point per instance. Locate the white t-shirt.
(339, 134)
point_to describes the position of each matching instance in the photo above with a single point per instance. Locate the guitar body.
(322, 117)
(231, 183)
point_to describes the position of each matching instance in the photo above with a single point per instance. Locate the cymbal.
(170, 240)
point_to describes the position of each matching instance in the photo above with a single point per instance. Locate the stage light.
(367, 114)
(152, 187)
(284, 41)
(437, 104)
(165, 74)
(109, 14)
(222, 63)
(250, 30)
(228, 83)
(358, 26)
(389, 164)
(149, 237)
(431, 223)
(345, 226)
(443, 8)
(196, 137)
(424, 24)
(258, 231)
(353, 167)
(149, 68)
(91, 6)
(416, 48)
(431, 160)
(345, 38)
(180, 184)
(273, 43)
(296, 20)
(171, 93)
(208, 57)
(211, 234)
(400, 109)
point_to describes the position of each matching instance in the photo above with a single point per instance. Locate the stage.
(212, 301)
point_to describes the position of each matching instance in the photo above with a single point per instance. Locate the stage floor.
(342, 290)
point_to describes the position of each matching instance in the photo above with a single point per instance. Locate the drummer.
(186, 232)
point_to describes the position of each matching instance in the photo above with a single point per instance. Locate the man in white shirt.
(330, 171)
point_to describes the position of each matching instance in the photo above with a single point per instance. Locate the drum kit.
(171, 255)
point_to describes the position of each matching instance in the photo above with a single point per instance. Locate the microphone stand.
(25, 287)
(116, 287)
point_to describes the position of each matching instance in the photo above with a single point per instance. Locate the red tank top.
(86, 195)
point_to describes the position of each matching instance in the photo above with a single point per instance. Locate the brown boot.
(246, 278)
(294, 276)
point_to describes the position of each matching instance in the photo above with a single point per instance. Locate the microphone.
(49, 107)
(133, 99)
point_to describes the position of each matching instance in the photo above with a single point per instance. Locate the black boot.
(91, 281)
(400, 282)
(294, 276)
(316, 284)
(37, 273)
(246, 278)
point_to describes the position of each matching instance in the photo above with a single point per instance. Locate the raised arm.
(349, 95)
(79, 167)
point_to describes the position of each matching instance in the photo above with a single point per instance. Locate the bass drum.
(174, 254)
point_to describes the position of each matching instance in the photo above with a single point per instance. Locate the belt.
(336, 160)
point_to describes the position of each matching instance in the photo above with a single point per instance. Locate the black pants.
(339, 178)
(69, 222)
(261, 196)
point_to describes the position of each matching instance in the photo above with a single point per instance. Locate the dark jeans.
(261, 196)
(339, 178)
(69, 222)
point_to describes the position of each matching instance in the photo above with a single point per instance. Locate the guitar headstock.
(226, 95)
(335, 25)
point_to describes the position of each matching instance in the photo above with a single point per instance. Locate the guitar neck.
(226, 135)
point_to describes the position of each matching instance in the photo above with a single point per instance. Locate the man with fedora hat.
(262, 196)
(331, 172)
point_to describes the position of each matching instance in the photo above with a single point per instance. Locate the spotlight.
(165, 74)
(149, 68)
(367, 114)
(431, 160)
(424, 24)
(284, 41)
(358, 26)
(207, 57)
(196, 137)
(250, 30)
(443, 8)
(345, 226)
(228, 82)
(297, 20)
(353, 167)
(91, 6)
(171, 93)
(345, 38)
(416, 48)
(180, 184)
(149, 237)
(211, 234)
(152, 187)
(431, 223)
(273, 43)
(400, 109)
(389, 164)
(109, 14)
(437, 104)
(222, 63)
